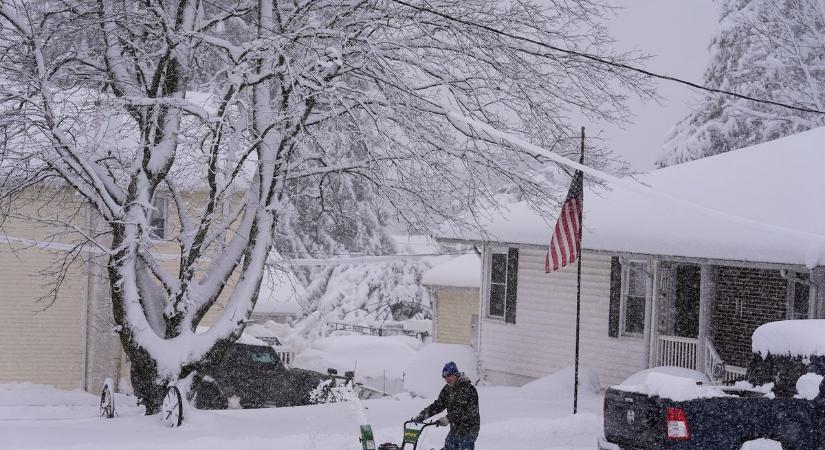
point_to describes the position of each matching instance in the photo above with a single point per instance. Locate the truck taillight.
(677, 424)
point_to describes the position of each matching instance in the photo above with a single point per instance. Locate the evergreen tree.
(771, 49)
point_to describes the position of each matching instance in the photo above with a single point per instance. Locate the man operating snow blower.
(460, 398)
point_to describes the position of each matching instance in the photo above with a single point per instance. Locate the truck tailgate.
(633, 419)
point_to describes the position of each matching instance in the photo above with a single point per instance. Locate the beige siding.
(48, 347)
(454, 310)
(39, 347)
(543, 339)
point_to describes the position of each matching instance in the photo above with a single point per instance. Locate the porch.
(688, 353)
(681, 333)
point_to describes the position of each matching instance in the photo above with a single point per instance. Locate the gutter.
(633, 255)
(84, 312)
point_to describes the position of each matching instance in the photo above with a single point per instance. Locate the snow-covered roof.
(790, 337)
(462, 271)
(756, 204)
(279, 294)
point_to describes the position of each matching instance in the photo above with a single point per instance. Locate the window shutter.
(512, 288)
(615, 296)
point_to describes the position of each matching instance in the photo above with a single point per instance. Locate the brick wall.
(762, 296)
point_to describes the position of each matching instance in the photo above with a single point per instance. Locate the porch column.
(707, 299)
(650, 312)
(818, 292)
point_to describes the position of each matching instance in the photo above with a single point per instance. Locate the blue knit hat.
(450, 369)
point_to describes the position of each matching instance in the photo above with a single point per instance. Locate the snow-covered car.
(252, 376)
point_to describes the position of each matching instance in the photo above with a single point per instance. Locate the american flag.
(566, 243)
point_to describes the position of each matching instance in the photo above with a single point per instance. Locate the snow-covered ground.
(37, 417)
(537, 416)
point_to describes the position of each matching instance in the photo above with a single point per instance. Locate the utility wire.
(587, 56)
(604, 61)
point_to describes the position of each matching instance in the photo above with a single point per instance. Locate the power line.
(604, 61)
(588, 56)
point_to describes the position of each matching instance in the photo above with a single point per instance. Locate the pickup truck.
(782, 399)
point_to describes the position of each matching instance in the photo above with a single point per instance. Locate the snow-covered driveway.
(34, 417)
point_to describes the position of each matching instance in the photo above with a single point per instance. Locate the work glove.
(418, 419)
(443, 422)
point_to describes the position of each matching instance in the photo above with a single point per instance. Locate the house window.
(158, 217)
(799, 296)
(633, 301)
(628, 298)
(501, 301)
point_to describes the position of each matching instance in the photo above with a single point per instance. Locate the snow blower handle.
(420, 424)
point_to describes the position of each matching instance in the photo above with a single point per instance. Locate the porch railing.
(717, 370)
(714, 366)
(682, 352)
(677, 351)
(286, 354)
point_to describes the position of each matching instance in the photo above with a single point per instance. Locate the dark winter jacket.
(461, 402)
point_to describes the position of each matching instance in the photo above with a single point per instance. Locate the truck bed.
(637, 421)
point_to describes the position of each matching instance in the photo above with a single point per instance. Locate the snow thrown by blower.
(790, 337)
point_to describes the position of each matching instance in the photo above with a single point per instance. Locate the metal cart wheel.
(171, 411)
(107, 401)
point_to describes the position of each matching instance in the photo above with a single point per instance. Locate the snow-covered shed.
(454, 288)
(678, 269)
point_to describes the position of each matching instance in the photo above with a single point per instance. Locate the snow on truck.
(782, 399)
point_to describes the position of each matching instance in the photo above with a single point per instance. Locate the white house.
(680, 276)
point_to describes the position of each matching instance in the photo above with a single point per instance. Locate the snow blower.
(412, 434)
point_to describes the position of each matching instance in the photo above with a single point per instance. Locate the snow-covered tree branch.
(769, 49)
(256, 118)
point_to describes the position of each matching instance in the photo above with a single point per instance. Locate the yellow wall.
(454, 310)
(39, 344)
(48, 346)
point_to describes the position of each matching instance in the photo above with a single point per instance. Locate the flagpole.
(578, 289)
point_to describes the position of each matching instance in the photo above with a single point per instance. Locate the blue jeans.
(463, 442)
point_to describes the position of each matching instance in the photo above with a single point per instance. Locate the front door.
(686, 301)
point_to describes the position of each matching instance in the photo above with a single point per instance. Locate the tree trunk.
(148, 386)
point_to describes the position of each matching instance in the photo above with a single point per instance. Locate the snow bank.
(673, 387)
(369, 356)
(423, 372)
(559, 385)
(790, 337)
(29, 394)
(420, 325)
(807, 386)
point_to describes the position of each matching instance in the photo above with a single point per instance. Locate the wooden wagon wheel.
(171, 411)
(107, 401)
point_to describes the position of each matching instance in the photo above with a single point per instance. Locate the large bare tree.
(268, 104)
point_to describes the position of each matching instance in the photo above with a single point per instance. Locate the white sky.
(676, 33)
